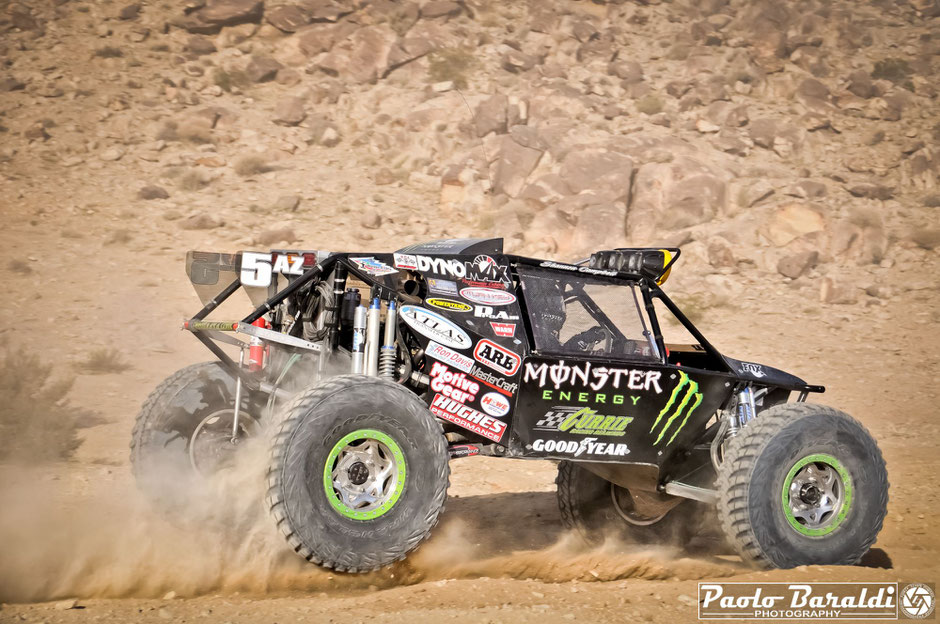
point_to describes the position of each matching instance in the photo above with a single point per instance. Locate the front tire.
(359, 473)
(802, 484)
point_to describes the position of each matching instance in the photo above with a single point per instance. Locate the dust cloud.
(104, 542)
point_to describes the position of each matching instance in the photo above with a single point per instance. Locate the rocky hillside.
(792, 141)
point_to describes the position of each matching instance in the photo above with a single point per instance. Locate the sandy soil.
(77, 530)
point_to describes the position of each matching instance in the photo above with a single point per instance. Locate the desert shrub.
(192, 181)
(894, 69)
(251, 165)
(36, 422)
(102, 361)
(452, 64)
(109, 52)
(649, 104)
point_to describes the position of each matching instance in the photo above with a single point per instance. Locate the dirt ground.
(77, 530)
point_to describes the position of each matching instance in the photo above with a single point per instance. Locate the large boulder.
(512, 165)
(362, 57)
(599, 170)
(214, 14)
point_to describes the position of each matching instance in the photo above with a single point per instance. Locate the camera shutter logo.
(917, 601)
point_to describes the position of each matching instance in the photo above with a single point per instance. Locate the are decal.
(434, 326)
(488, 296)
(494, 404)
(447, 304)
(587, 375)
(470, 419)
(373, 267)
(496, 357)
(503, 330)
(459, 361)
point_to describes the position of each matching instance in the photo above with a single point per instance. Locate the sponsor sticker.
(434, 326)
(373, 267)
(755, 370)
(459, 361)
(587, 375)
(470, 419)
(586, 447)
(494, 404)
(577, 269)
(441, 286)
(454, 385)
(582, 421)
(503, 330)
(488, 296)
(813, 601)
(447, 304)
(496, 357)
(489, 312)
(406, 261)
(494, 381)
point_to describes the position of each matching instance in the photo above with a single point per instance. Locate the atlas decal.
(503, 330)
(447, 304)
(454, 385)
(496, 357)
(459, 361)
(583, 421)
(434, 326)
(373, 267)
(674, 408)
(589, 376)
(493, 381)
(488, 296)
(494, 404)
(443, 287)
(470, 419)
(587, 446)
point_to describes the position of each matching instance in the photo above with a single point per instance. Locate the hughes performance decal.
(434, 326)
(496, 357)
(470, 419)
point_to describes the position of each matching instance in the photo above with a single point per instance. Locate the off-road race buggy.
(375, 369)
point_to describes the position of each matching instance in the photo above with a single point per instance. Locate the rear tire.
(167, 465)
(596, 508)
(803, 484)
(359, 473)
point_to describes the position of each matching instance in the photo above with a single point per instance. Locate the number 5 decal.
(256, 269)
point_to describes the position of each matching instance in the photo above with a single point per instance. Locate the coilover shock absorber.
(388, 359)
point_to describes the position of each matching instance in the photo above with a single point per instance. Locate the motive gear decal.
(691, 395)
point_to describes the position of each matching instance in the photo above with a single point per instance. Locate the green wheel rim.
(825, 477)
(379, 492)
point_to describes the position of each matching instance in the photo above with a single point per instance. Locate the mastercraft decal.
(434, 326)
(496, 357)
(494, 381)
(691, 399)
(456, 412)
(373, 267)
(459, 361)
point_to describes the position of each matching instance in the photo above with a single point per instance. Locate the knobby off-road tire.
(314, 468)
(793, 451)
(160, 442)
(586, 503)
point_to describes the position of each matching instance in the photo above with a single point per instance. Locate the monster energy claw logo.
(691, 399)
